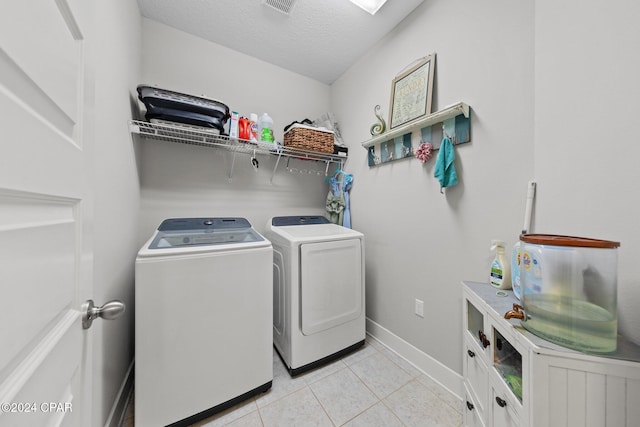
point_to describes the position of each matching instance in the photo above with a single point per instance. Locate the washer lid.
(315, 232)
(191, 224)
(189, 238)
(182, 235)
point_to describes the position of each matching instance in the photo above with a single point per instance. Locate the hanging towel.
(335, 202)
(348, 182)
(445, 169)
(335, 207)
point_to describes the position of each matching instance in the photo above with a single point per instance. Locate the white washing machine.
(318, 290)
(203, 337)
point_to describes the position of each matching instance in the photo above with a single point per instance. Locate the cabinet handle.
(501, 402)
(471, 353)
(470, 405)
(483, 339)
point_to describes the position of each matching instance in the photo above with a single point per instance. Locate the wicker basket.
(308, 138)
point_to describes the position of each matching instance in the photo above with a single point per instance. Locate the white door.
(45, 207)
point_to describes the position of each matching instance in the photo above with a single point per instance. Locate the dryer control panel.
(282, 221)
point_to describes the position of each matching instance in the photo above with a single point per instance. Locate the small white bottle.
(266, 128)
(500, 276)
(233, 125)
(253, 118)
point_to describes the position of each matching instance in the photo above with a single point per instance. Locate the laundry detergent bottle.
(500, 276)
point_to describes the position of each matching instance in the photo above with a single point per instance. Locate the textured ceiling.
(320, 39)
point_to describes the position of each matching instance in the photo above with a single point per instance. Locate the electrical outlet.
(419, 308)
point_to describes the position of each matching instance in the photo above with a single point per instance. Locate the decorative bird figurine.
(378, 128)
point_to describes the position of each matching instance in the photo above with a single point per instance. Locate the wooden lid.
(576, 242)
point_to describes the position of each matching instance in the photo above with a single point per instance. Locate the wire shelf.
(192, 135)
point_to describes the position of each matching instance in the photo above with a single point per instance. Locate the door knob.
(109, 311)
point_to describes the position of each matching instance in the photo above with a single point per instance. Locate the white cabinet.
(514, 378)
(494, 366)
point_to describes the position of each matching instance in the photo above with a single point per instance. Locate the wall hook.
(254, 161)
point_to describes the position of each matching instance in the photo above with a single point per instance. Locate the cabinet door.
(476, 356)
(476, 376)
(472, 417)
(508, 377)
(503, 411)
(475, 323)
(508, 364)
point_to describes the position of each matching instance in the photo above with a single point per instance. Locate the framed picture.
(411, 92)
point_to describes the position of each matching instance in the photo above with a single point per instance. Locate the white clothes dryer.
(318, 290)
(203, 337)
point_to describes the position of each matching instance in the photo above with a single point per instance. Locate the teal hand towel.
(445, 169)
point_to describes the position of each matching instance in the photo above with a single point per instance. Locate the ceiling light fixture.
(371, 6)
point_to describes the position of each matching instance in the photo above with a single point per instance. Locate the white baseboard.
(435, 370)
(119, 408)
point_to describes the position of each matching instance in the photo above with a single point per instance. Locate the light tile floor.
(372, 387)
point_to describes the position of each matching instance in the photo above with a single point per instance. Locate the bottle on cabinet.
(500, 275)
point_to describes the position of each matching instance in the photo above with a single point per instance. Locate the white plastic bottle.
(233, 124)
(266, 128)
(516, 254)
(515, 270)
(500, 276)
(254, 127)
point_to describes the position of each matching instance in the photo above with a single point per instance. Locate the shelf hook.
(444, 131)
(254, 161)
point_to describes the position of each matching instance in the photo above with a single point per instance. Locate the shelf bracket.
(233, 162)
(273, 174)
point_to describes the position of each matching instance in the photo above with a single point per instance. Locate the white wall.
(117, 197)
(580, 147)
(523, 73)
(419, 243)
(183, 181)
(586, 137)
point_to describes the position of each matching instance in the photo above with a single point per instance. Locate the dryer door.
(331, 284)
